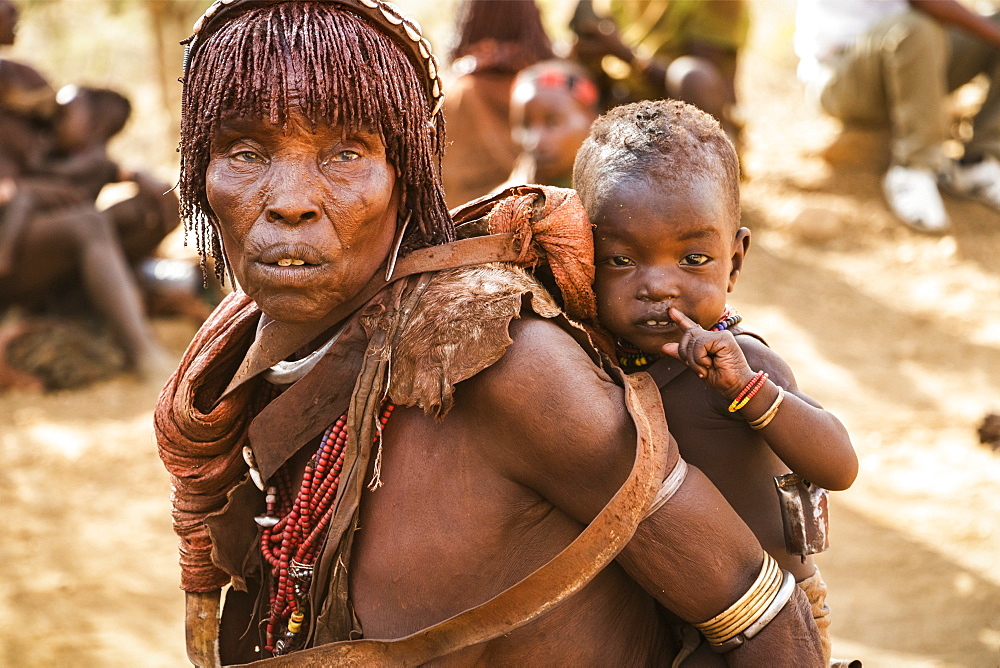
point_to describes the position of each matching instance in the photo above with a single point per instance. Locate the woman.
(369, 439)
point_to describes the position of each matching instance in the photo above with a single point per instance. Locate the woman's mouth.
(290, 255)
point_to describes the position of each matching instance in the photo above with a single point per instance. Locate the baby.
(70, 166)
(660, 181)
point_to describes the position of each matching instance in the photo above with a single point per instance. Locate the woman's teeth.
(287, 262)
(652, 323)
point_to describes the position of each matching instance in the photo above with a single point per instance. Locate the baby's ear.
(741, 244)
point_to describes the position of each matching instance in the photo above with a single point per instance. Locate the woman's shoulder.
(468, 320)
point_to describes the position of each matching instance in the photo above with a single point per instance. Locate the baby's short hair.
(654, 140)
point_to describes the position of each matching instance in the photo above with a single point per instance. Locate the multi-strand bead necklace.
(294, 527)
(631, 358)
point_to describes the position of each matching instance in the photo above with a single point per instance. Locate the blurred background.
(896, 332)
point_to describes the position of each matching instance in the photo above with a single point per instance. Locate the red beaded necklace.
(294, 526)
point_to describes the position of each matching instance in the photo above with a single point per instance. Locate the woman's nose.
(292, 213)
(290, 192)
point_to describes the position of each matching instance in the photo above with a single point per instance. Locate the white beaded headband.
(385, 15)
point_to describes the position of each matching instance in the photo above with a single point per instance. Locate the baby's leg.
(815, 590)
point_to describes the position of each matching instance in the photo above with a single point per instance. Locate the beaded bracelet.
(746, 394)
(769, 414)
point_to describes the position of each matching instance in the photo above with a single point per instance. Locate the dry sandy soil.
(897, 333)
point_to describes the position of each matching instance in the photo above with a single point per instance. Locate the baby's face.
(75, 125)
(659, 246)
(549, 124)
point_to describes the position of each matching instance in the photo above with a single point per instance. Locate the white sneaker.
(913, 196)
(980, 181)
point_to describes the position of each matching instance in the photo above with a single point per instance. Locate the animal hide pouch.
(804, 515)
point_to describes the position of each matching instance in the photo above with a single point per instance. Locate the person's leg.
(977, 174)
(56, 245)
(969, 57)
(895, 76)
(706, 77)
(697, 81)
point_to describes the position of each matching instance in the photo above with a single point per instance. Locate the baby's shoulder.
(762, 357)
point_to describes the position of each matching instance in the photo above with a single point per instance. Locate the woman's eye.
(247, 156)
(695, 260)
(620, 261)
(345, 156)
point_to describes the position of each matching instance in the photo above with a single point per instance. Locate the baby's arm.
(807, 438)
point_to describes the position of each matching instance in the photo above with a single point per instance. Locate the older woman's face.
(306, 217)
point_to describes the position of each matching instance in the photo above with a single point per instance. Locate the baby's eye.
(619, 261)
(695, 260)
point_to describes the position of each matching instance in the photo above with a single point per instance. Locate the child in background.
(73, 166)
(660, 181)
(552, 106)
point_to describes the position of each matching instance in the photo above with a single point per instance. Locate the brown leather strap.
(277, 340)
(568, 572)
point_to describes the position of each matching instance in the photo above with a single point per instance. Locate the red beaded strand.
(291, 545)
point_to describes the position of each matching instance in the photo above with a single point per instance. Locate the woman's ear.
(741, 244)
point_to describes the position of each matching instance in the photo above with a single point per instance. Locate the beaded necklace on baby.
(632, 359)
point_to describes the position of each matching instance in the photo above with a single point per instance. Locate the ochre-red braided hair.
(343, 72)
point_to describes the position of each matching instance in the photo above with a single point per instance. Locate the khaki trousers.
(899, 76)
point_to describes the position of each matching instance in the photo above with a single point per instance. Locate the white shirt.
(824, 27)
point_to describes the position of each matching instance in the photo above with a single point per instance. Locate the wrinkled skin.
(327, 199)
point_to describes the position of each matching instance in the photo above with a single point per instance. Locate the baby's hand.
(714, 356)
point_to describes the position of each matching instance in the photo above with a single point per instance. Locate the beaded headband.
(550, 75)
(385, 16)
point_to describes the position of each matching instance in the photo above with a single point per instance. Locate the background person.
(892, 63)
(650, 49)
(495, 40)
(552, 106)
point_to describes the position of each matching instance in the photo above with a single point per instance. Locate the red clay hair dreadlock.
(345, 70)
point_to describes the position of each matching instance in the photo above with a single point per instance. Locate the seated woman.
(51, 235)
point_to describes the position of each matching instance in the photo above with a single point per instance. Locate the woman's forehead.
(294, 122)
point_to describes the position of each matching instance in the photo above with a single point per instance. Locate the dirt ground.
(898, 334)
